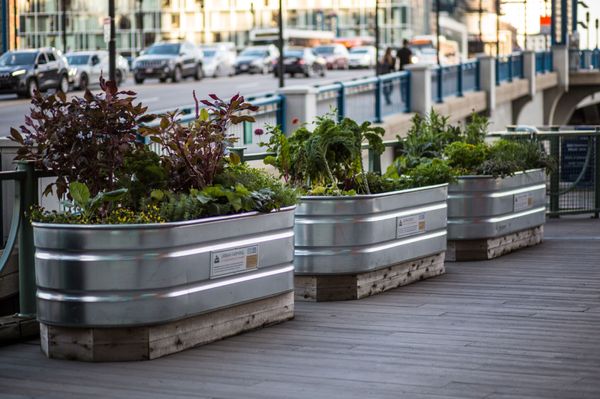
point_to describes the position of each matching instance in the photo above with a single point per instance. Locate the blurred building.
(142, 22)
(7, 25)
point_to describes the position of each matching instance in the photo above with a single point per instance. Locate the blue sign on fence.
(573, 155)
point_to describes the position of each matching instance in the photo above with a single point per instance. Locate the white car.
(362, 57)
(219, 59)
(85, 68)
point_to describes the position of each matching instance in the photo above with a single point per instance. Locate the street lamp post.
(497, 28)
(63, 17)
(597, 36)
(140, 26)
(112, 50)
(587, 22)
(280, 45)
(437, 30)
(377, 38)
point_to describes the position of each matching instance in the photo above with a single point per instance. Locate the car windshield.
(324, 50)
(209, 53)
(163, 49)
(294, 53)
(12, 59)
(254, 53)
(78, 59)
(359, 51)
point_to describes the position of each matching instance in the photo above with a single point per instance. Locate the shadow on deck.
(526, 325)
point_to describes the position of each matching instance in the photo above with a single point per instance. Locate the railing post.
(239, 151)
(378, 88)
(460, 88)
(555, 177)
(374, 161)
(280, 116)
(440, 76)
(341, 101)
(497, 62)
(477, 75)
(510, 68)
(27, 192)
(408, 90)
(597, 174)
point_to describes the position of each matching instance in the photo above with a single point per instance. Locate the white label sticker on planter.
(410, 225)
(233, 261)
(522, 201)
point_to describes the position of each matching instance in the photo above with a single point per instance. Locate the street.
(162, 96)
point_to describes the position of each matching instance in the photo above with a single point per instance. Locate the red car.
(336, 56)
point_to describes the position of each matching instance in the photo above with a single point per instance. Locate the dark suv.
(175, 60)
(22, 72)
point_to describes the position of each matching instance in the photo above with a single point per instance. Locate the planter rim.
(166, 225)
(367, 196)
(521, 172)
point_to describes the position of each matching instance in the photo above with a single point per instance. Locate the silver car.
(219, 59)
(87, 66)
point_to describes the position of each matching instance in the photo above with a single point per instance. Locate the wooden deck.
(526, 325)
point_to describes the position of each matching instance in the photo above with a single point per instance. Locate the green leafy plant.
(84, 203)
(476, 129)
(81, 139)
(142, 172)
(466, 157)
(509, 156)
(194, 154)
(329, 156)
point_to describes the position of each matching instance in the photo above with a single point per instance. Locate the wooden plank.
(322, 288)
(151, 342)
(490, 248)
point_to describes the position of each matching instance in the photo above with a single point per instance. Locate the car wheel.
(176, 75)
(292, 74)
(63, 84)
(199, 74)
(32, 87)
(119, 77)
(162, 80)
(84, 82)
(322, 74)
(138, 80)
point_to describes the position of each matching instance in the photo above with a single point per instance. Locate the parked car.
(85, 67)
(175, 60)
(335, 55)
(362, 57)
(22, 72)
(219, 59)
(302, 60)
(256, 59)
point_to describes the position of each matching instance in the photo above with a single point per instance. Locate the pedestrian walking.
(404, 55)
(387, 65)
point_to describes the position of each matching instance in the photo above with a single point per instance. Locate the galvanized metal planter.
(354, 236)
(482, 208)
(139, 275)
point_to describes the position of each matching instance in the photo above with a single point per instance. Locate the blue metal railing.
(508, 68)
(454, 80)
(588, 59)
(543, 62)
(369, 98)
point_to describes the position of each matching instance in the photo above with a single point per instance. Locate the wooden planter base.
(490, 248)
(320, 288)
(151, 342)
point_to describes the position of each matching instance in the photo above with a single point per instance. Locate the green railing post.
(239, 151)
(374, 161)
(555, 176)
(27, 191)
(597, 174)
